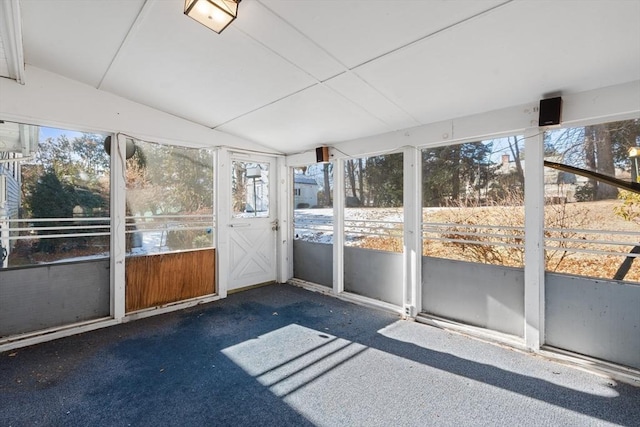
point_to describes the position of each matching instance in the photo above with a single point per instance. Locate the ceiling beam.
(11, 33)
(144, 10)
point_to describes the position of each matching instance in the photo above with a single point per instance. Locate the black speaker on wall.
(550, 112)
(322, 154)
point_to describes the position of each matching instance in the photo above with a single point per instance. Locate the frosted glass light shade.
(213, 14)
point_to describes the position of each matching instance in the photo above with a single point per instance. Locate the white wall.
(51, 100)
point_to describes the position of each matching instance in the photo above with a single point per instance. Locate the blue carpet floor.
(283, 356)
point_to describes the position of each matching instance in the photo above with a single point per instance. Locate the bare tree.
(590, 154)
(327, 184)
(360, 177)
(514, 147)
(351, 176)
(604, 158)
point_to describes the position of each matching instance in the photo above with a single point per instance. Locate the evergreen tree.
(50, 198)
(453, 174)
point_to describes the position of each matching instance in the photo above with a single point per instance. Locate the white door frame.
(226, 223)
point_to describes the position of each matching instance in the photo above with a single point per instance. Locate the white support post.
(223, 216)
(284, 243)
(4, 224)
(534, 310)
(214, 215)
(412, 270)
(118, 230)
(338, 226)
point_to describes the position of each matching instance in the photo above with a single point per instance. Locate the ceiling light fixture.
(213, 14)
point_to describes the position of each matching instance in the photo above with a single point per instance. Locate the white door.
(253, 223)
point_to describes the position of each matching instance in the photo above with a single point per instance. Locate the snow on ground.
(316, 225)
(78, 258)
(150, 242)
(153, 242)
(313, 225)
(393, 215)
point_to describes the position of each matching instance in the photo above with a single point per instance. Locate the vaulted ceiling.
(292, 75)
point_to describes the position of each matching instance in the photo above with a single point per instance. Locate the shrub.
(585, 193)
(188, 239)
(630, 208)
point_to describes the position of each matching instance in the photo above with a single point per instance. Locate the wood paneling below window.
(154, 280)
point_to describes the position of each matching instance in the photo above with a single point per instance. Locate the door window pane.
(250, 189)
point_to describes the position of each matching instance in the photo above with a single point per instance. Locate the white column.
(412, 269)
(118, 220)
(4, 223)
(338, 226)
(284, 243)
(223, 216)
(534, 240)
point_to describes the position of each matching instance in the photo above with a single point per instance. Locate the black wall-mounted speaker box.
(550, 111)
(322, 154)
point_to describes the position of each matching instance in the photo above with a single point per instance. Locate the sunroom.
(469, 165)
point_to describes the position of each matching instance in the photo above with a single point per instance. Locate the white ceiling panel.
(356, 31)
(310, 118)
(500, 59)
(276, 34)
(194, 73)
(76, 38)
(352, 87)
